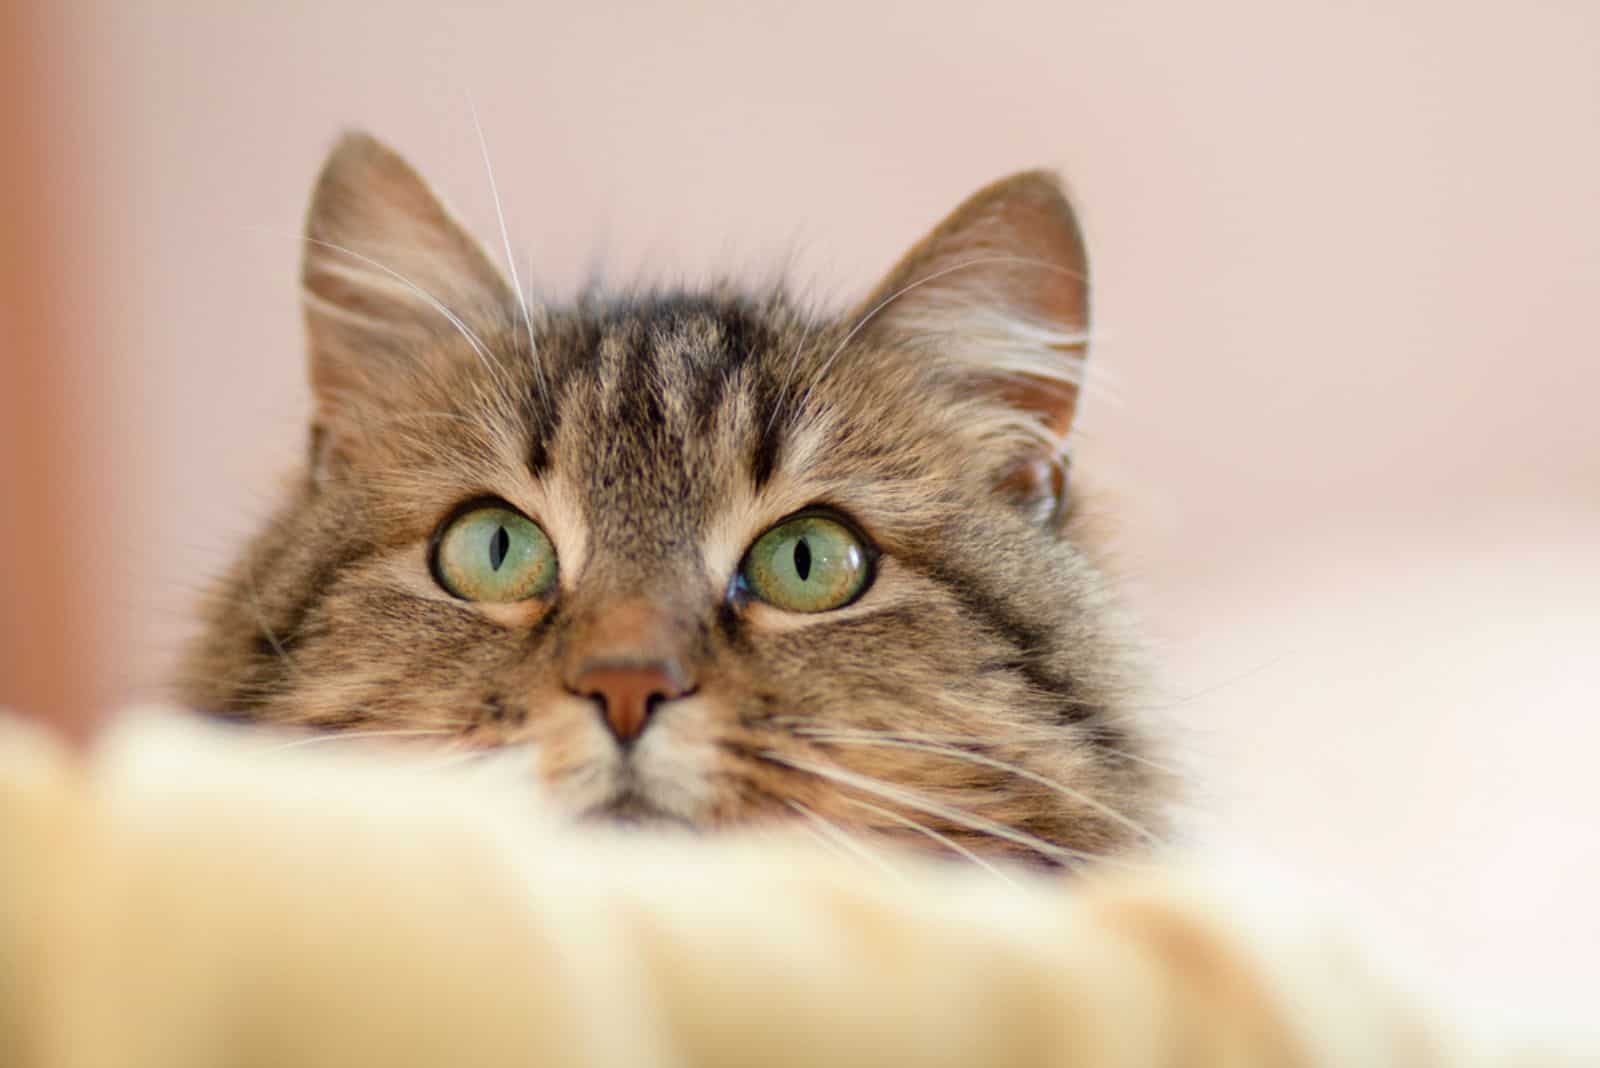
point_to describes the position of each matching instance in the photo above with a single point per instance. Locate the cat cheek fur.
(975, 699)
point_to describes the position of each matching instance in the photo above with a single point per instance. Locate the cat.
(685, 560)
(706, 558)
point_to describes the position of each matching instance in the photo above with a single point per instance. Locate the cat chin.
(630, 809)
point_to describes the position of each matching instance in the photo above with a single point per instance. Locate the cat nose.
(629, 655)
(629, 692)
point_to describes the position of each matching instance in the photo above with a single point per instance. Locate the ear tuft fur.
(386, 268)
(997, 297)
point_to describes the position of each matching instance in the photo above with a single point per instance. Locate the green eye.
(807, 564)
(494, 554)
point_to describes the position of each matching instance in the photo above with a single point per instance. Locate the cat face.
(700, 558)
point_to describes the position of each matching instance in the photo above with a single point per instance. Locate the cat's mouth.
(631, 809)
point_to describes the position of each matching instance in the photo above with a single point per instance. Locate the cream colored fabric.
(196, 897)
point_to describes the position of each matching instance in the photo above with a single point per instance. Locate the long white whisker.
(1013, 734)
(911, 800)
(505, 238)
(806, 725)
(923, 829)
(819, 836)
(839, 837)
(956, 753)
(478, 347)
(427, 297)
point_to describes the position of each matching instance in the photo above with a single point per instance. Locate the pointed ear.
(997, 295)
(385, 266)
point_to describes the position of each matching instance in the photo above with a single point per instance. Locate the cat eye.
(808, 563)
(494, 553)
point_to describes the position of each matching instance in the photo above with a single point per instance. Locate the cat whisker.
(511, 263)
(817, 835)
(1019, 735)
(490, 364)
(956, 753)
(916, 802)
(1014, 734)
(844, 843)
(923, 829)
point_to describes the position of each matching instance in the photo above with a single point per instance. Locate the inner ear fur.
(997, 295)
(386, 267)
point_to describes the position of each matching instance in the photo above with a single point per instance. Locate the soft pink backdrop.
(1348, 258)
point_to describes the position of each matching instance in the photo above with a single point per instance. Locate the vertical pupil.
(499, 546)
(802, 559)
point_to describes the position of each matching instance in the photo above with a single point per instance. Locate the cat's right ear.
(996, 300)
(386, 267)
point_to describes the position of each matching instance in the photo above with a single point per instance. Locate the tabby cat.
(692, 559)
(702, 557)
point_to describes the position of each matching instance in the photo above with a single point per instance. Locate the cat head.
(702, 557)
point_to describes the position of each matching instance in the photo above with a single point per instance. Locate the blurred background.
(1344, 409)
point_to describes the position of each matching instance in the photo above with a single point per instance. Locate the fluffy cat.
(683, 560)
(703, 557)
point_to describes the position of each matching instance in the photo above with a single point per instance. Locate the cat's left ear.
(997, 298)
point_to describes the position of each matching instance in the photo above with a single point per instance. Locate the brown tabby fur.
(975, 698)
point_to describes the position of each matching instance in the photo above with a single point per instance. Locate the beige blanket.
(195, 897)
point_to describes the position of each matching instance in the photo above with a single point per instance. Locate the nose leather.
(628, 692)
(629, 655)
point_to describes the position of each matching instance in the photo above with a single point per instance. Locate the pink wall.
(1348, 257)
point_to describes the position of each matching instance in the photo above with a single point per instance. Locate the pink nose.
(629, 691)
